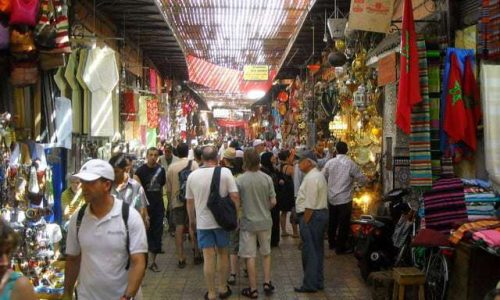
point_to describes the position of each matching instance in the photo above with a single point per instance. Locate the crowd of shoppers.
(115, 217)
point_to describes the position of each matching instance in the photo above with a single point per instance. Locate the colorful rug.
(420, 137)
(445, 205)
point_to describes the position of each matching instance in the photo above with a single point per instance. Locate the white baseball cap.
(257, 142)
(95, 169)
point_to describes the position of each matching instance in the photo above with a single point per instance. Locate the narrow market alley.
(342, 279)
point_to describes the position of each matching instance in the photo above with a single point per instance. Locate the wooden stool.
(407, 276)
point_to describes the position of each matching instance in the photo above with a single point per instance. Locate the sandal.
(232, 279)
(206, 296)
(154, 268)
(181, 264)
(268, 288)
(226, 294)
(247, 292)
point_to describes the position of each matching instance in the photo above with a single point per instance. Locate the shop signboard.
(256, 72)
(387, 69)
(371, 15)
(221, 113)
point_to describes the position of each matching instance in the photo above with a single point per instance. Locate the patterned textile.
(445, 205)
(163, 126)
(458, 234)
(152, 113)
(128, 108)
(143, 116)
(489, 30)
(420, 137)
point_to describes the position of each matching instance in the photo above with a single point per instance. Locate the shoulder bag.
(24, 12)
(21, 42)
(222, 208)
(24, 73)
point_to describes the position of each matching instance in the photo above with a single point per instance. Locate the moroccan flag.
(456, 118)
(472, 104)
(409, 80)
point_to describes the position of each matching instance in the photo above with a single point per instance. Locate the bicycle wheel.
(436, 277)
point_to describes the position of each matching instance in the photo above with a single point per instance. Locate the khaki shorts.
(180, 216)
(248, 243)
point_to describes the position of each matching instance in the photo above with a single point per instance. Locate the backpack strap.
(79, 218)
(125, 212)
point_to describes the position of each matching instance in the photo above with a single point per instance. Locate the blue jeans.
(312, 235)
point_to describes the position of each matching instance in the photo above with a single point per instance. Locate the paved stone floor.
(342, 279)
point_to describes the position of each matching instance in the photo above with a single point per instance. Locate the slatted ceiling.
(230, 33)
(143, 22)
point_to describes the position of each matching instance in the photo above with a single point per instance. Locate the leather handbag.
(4, 36)
(49, 61)
(222, 208)
(21, 42)
(23, 74)
(5, 6)
(24, 12)
(46, 30)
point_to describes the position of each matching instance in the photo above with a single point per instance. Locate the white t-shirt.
(103, 254)
(198, 188)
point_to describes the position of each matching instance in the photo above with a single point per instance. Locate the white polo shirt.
(101, 243)
(312, 193)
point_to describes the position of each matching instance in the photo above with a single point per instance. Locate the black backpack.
(183, 177)
(125, 211)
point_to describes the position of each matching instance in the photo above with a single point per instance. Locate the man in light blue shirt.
(312, 212)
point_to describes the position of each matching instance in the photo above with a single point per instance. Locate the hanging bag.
(24, 12)
(21, 42)
(46, 30)
(24, 74)
(5, 6)
(222, 208)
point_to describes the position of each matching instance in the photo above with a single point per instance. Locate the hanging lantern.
(313, 68)
(360, 97)
(282, 96)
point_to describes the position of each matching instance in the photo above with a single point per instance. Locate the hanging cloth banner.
(409, 81)
(232, 123)
(371, 15)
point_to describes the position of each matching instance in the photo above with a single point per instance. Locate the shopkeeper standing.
(152, 176)
(96, 249)
(341, 173)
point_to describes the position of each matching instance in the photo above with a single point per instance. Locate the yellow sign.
(256, 72)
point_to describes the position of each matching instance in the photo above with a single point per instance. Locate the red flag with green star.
(409, 80)
(457, 117)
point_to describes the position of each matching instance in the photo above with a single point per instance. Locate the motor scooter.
(374, 247)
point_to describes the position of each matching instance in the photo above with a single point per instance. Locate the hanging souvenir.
(24, 12)
(21, 42)
(33, 186)
(282, 96)
(282, 109)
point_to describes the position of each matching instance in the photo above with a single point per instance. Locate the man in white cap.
(98, 236)
(259, 145)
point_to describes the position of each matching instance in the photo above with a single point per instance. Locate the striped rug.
(445, 205)
(420, 137)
